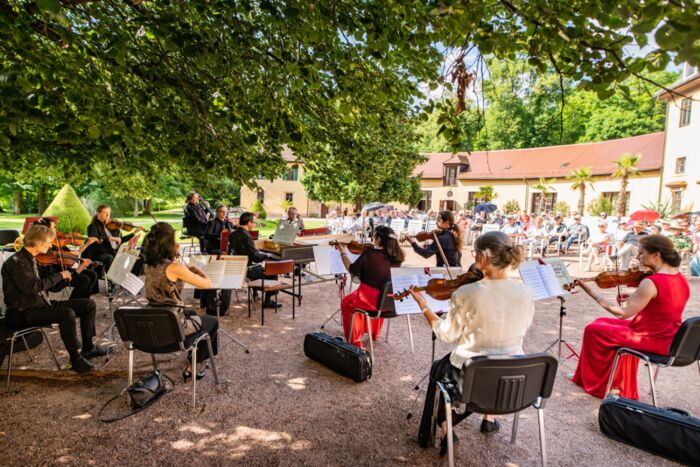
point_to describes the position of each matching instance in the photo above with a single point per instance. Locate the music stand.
(217, 304)
(341, 280)
(560, 340)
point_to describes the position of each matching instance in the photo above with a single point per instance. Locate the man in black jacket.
(196, 217)
(212, 241)
(241, 243)
(27, 300)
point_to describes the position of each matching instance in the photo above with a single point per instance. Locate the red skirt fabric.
(366, 298)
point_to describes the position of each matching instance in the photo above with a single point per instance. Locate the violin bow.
(442, 254)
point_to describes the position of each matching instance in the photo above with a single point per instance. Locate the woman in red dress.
(657, 306)
(373, 268)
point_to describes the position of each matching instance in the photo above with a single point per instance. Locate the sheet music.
(414, 226)
(541, 278)
(132, 284)
(226, 272)
(214, 270)
(328, 260)
(286, 232)
(490, 228)
(403, 278)
(397, 225)
(121, 266)
(560, 271)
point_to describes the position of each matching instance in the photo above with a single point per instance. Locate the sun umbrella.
(488, 207)
(369, 207)
(644, 215)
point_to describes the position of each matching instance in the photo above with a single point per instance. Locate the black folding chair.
(385, 309)
(502, 385)
(23, 339)
(684, 351)
(158, 330)
(7, 240)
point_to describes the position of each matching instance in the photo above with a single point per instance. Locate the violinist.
(373, 268)
(656, 308)
(450, 237)
(110, 239)
(487, 317)
(196, 216)
(83, 279)
(27, 300)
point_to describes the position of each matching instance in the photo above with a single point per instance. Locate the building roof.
(683, 87)
(552, 161)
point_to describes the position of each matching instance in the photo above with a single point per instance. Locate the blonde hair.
(37, 234)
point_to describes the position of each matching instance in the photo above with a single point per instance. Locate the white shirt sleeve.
(450, 329)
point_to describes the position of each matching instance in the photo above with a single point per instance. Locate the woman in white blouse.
(598, 242)
(489, 317)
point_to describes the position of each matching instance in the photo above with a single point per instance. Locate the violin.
(53, 258)
(124, 225)
(421, 236)
(72, 238)
(609, 279)
(353, 246)
(442, 289)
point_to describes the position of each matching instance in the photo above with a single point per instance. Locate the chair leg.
(388, 327)
(514, 434)
(248, 302)
(410, 332)
(130, 370)
(433, 421)
(9, 362)
(26, 346)
(612, 374)
(194, 375)
(262, 308)
(543, 443)
(154, 362)
(450, 441)
(352, 324)
(53, 354)
(651, 383)
(371, 343)
(213, 360)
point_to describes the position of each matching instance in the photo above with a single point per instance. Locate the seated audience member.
(27, 300)
(578, 232)
(512, 229)
(488, 317)
(627, 248)
(558, 230)
(536, 235)
(598, 242)
(164, 281)
(656, 308)
(680, 240)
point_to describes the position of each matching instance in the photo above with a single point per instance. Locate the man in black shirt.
(27, 300)
(196, 217)
(241, 243)
(212, 242)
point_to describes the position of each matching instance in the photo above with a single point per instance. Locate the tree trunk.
(17, 202)
(41, 201)
(136, 207)
(622, 200)
(147, 204)
(543, 203)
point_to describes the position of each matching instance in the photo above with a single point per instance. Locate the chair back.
(502, 385)
(254, 234)
(152, 329)
(686, 344)
(184, 233)
(386, 302)
(274, 268)
(8, 236)
(223, 242)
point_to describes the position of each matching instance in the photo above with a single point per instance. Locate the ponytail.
(390, 243)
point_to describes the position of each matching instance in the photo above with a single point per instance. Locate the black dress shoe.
(187, 374)
(272, 305)
(80, 365)
(96, 351)
(490, 426)
(443, 443)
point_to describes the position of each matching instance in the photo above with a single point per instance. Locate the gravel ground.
(276, 407)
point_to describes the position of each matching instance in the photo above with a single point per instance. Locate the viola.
(53, 258)
(353, 247)
(609, 279)
(442, 289)
(124, 225)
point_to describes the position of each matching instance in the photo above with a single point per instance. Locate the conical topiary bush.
(71, 213)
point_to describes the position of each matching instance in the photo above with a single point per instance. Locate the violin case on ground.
(667, 432)
(336, 354)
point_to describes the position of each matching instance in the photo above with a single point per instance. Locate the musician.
(656, 308)
(450, 239)
(196, 217)
(164, 281)
(109, 240)
(373, 268)
(293, 216)
(241, 243)
(27, 300)
(488, 317)
(83, 279)
(212, 240)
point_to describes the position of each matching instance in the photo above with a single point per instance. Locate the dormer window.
(449, 175)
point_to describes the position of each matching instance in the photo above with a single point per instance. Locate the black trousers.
(442, 370)
(211, 326)
(84, 284)
(207, 299)
(258, 272)
(64, 314)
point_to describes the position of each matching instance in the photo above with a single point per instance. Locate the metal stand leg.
(217, 303)
(543, 443)
(213, 360)
(560, 340)
(9, 363)
(194, 375)
(410, 332)
(341, 294)
(651, 383)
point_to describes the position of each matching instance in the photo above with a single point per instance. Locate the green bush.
(67, 207)
(511, 207)
(258, 209)
(599, 205)
(562, 207)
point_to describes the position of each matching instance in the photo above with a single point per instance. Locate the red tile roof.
(552, 161)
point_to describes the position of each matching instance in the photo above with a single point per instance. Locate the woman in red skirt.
(657, 310)
(373, 268)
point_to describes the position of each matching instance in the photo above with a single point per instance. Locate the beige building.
(681, 174)
(451, 181)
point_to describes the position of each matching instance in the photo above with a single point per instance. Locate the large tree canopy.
(217, 86)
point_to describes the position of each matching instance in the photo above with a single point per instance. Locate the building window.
(426, 202)
(685, 111)
(549, 202)
(261, 196)
(449, 177)
(613, 196)
(292, 173)
(289, 197)
(676, 199)
(680, 165)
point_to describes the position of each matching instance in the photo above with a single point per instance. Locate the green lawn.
(173, 216)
